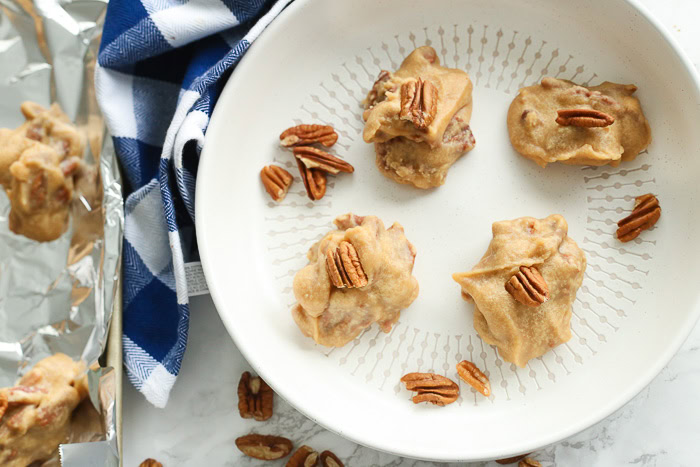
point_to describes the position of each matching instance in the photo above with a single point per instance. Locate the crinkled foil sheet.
(58, 296)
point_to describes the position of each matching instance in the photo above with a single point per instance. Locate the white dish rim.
(416, 452)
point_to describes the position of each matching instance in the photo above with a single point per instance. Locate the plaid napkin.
(161, 67)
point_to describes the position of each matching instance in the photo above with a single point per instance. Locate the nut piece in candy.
(303, 135)
(264, 447)
(528, 287)
(303, 457)
(344, 267)
(529, 462)
(314, 181)
(474, 377)
(645, 214)
(276, 181)
(317, 159)
(419, 100)
(254, 398)
(588, 118)
(328, 459)
(432, 388)
(377, 93)
(150, 463)
(512, 460)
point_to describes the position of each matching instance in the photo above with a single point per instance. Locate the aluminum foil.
(58, 296)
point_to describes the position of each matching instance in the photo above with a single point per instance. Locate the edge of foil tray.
(114, 359)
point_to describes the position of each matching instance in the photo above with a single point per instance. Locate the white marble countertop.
(659, 427)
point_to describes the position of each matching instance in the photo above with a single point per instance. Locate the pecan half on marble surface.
(276, 181)
(432, 388)
(255, 397)
(512, 460)
(150, 463)
(474, 377)
(588, 118)
(528, 287)
(305, 456)
(303, 135)
(314, 158)
(529, 462)
(345, 268)
(419, 101)
(314, 181)
(645, 214)
(328, 459)
(264, 447)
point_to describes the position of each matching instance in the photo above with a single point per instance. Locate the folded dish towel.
(161, 67)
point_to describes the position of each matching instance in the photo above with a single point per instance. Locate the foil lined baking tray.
(59, 296)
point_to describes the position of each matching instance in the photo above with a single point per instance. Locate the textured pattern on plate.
(504, 61)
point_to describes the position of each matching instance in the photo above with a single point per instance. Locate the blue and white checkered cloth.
(161, 67)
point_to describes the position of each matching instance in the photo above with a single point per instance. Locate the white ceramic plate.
(638, 301)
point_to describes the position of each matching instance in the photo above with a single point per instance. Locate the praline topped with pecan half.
(524, 286)
(560, 121)
(418, 118)
(357, 275)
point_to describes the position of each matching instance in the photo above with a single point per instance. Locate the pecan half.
(303, 135)
(264, 447)
(317, 159)
(254, 398)
(150, 463)
(528, 287)
(377, 93)
(432, 388)
(587, 118)
(276, 181)
(303, 457)
(314, 181)
(512, 460)
(344, 267)
(529, 462)
(328, 459)
(419, 100)
(645, 214)
(474, 377)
